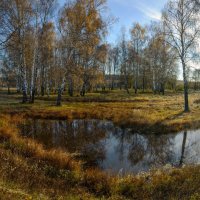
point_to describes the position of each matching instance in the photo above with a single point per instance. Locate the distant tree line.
(146, 61)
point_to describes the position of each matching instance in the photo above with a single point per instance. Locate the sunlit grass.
(28, 170)
(123, 109)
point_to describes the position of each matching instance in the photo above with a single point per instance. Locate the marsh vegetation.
(81, 118)
(91, 148)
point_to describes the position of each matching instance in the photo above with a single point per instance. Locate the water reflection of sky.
(115, 149)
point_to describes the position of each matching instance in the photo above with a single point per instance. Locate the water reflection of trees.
(79, 136)
(190, 149)
(159, 149)
(92, 138)
(146, 150)
(151, 150)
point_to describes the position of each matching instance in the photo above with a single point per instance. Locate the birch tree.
(138, 39)
(42, 11)
(123, 59)
(181, 23)
(82, 29)
(15, 16)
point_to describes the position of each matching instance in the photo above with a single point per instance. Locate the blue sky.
(129, 11)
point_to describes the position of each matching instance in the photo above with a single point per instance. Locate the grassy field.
(29, 171)
(143, 111)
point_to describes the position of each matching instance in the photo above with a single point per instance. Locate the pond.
(113, 149)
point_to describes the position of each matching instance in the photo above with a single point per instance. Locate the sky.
(126, 12)
(130, 11)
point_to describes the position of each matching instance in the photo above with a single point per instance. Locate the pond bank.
(144, 113)
(47, 175)
(180, 122)
(115, 150)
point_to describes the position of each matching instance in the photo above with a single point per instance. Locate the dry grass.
(25, 163)
(144, 111)
(30, 148)
(28, 170)
(54, 174)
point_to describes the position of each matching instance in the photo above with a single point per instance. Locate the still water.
(115, 150)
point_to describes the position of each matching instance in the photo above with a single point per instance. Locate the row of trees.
(45, 54)
(70, 52)
(146, 61)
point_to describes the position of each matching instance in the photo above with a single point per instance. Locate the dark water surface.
(113, 149)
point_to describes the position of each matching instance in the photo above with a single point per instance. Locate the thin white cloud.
(143, 7)
(148, 11)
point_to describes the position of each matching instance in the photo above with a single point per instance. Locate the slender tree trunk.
(18, 82)
(60, 91)
(22, 66)
(136, 81)
(82, 93)
(113, 78)
(33, 84)
(33, 79)
(143, 81)
(33, 87)
(135, 86)
(24, 98)
(186, 102)
(34, 70)
(8, 88)
(58, 103)
(24, 85)
(42, 80)
(71, 87)
(154, 82)
(32, 100)
(112, 85)
(48, 89)
(163, 91)
(127, 89)
(126, 84)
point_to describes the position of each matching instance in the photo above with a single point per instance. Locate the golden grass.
(144, 111)
(26, 163)
(30, 148)
(56, 175)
